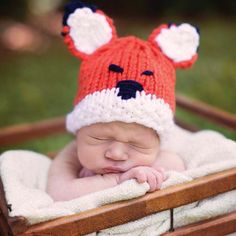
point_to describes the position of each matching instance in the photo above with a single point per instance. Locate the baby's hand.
(154, 177)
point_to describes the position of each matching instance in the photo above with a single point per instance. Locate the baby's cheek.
(83, 157)
(144, 159)
(90, 157)
(86, 161)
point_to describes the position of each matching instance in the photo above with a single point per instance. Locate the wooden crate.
(125, 211)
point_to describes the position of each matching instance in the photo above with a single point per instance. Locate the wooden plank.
(125, 211)
(20, 133)
(18, 224)
(186, 126)
(201, 109)
(5, 229)
(217, 226)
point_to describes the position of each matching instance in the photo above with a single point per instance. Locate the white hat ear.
(86, 29)
(178, 43)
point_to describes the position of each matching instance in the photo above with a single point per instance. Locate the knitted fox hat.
(125, 79)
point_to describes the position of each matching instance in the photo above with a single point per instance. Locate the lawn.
(39, 86)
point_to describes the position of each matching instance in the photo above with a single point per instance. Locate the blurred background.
(38, 75)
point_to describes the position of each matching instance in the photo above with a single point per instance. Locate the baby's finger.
(140, 176)
(159, 179)
(152, 181)
(162, 171)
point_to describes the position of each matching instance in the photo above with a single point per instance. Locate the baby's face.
(116, 146)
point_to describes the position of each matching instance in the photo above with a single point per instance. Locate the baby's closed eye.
(138, 145)
(140, 148)
(100, 139)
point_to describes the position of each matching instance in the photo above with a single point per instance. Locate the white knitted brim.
(105, 106)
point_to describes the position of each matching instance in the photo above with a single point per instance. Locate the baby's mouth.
(112, 169)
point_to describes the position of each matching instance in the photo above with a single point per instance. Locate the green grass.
(40, 86)
(44, 145)
(35, 87)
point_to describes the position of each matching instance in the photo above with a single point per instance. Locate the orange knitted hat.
(125, 79)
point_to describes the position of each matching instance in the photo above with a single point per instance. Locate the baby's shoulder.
(167, 154)
(170, 161)
(67, 157)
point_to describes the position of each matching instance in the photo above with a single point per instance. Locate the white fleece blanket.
(24, 176)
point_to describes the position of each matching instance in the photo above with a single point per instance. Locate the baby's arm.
(63, 182)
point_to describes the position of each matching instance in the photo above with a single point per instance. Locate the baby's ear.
(86, 29)
(179, 43)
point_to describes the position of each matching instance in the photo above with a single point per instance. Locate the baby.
(124, 106)
(106, 154)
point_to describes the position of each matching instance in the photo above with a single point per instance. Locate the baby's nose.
(116, 152)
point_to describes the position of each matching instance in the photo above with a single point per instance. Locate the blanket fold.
(24, 176)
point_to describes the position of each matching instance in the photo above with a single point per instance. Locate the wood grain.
(218, 226)
(20, 133)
